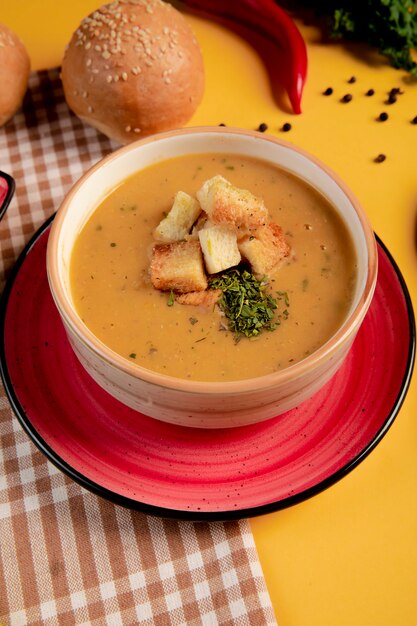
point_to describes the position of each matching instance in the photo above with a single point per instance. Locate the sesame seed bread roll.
(133, 68)
(14, 73)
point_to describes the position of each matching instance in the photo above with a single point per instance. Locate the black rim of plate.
(10, 191)
(184, 514)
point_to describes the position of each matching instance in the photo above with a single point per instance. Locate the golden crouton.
(177, 224)
(264, 248)
(206, 298)
(198, 225)
(178, 266)
(225, 203)
(219, 245)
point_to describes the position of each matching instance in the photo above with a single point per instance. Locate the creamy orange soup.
(114, 297)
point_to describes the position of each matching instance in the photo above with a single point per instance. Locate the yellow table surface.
(349, 555)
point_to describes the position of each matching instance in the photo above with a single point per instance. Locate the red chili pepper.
(270, 20)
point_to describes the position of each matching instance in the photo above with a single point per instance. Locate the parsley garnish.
(245, 303)
(390, 25)
(171, 298)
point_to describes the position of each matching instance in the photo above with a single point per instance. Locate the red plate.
(195, 474)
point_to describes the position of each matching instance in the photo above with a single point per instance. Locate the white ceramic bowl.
(206, 404)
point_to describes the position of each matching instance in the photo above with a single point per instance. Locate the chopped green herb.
(132, 355)
(245, 303)
(283, 295)
(171, 298)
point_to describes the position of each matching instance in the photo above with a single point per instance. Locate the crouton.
(198, 225)
(219, 245)
(264, 248)
(206, 298)
(178, 266)
(225, 203)
(177, 224)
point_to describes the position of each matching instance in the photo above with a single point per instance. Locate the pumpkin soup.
(304, 298)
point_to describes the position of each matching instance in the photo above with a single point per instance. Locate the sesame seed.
(124, 76)
(106, 55)
(128, 129)
(88, 62)
(109, 78)
(136, 130)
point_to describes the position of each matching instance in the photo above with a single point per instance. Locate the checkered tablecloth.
(67, 556)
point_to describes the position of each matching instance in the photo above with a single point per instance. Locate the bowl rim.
(212, 388)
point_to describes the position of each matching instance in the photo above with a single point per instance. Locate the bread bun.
(14, 73)
(133, 68)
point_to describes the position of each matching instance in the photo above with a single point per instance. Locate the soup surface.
(114, 297)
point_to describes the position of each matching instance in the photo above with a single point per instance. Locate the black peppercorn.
(347, 98)
(370, 92)
(286, 127)
(414, 120)
(383, 117)
(380, 158)
(352, 80)
(262, 127)
(392, 98)
(328, 91)
(222, 124)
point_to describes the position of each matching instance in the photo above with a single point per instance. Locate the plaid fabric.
(66, 556)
